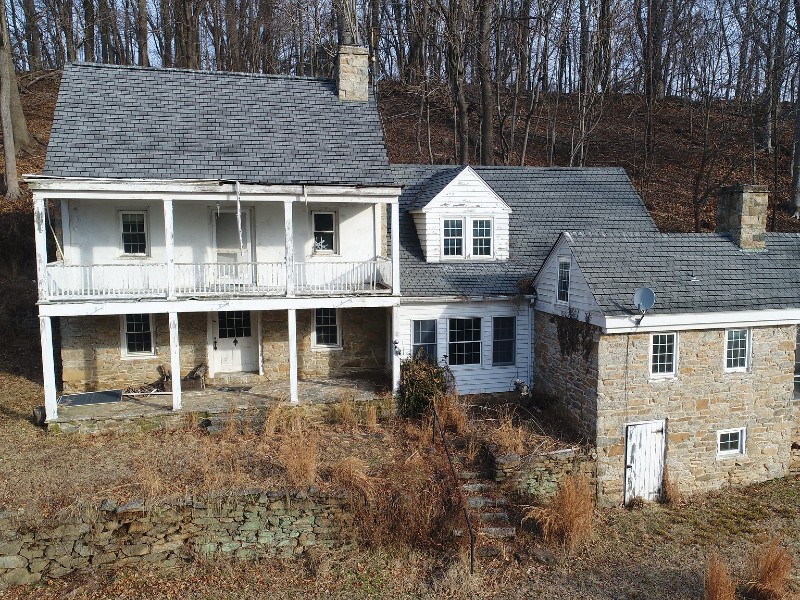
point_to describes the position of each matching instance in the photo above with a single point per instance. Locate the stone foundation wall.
(248, 525)
(569, 379)
(701, 400)
(540, 474)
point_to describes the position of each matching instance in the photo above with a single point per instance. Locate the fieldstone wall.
(701, 400)
(91, 351)
(248, 525)
(540, 474)
(569, 377)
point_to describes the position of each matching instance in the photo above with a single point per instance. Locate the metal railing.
(437, 426)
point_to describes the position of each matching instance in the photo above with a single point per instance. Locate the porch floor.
(216, 399)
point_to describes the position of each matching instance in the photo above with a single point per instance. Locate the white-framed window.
(133, 233)
(327, 331)
(424, 340)
(562, 289)
(138, 335)
(731, 442)
(467, 238)
(325, 232)
(737, 350)
(504, 340)
(663, 354)
(464, 341)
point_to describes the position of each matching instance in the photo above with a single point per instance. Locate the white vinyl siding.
(580, 296)
(737, 350)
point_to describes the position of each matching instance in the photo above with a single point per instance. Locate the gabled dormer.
(459, 217)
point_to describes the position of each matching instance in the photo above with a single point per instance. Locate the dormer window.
(562, 295)
(467, 238)
(481, 237)
(453, 237)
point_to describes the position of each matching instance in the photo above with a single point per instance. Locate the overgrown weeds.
(350, 475)
(718, 582)
(299, 455)
(509, 436)
(670, 492)
(770, 566)
(568, 517)
(421, 381)
(345, 412)
(451, 412)
(371, 417)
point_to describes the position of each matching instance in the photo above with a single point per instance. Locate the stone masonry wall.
(701, 400)
(569, 379)
(540, 474)
(249, 525)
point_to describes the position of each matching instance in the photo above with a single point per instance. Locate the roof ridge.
(216, 73)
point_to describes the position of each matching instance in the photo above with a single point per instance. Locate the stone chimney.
(742, 215)
(352, 73)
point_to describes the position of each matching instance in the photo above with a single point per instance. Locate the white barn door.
(644, 460)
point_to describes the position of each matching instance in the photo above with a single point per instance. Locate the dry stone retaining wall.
(247, 525)
(540, 474)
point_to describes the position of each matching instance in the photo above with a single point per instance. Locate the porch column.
(395, 249)
(288, 228)
(48, 369)
(40, 239)
(395, 354)
(175, 360)
(169, 249)
(293, 356)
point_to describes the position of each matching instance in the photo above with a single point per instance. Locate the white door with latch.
(644, 460)
(235, 343)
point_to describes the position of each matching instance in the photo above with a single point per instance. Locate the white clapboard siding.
(467, 196)
(580, 294)
(473, 379)
(644, 460)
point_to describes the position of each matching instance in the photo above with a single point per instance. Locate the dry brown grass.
(350, 475)
(345, 412)
(718, 583)
(770, 567)
(271, 420)
(670, 492)
(451, 413)
(371, 417)
(299, 455)
(568, 518)
(507, 435)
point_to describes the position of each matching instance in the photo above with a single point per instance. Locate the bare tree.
(7, 81)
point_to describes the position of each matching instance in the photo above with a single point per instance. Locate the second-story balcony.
(231, 279)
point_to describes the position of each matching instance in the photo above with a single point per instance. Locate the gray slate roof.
(689, 272)
(132, 122)
(544, 201)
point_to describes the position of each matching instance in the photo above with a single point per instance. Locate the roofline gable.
(469, 170)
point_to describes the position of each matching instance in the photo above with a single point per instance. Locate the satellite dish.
(643, 299)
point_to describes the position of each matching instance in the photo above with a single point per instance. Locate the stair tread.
(498, 532)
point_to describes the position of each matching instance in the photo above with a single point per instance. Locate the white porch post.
(40, 239)
(289, 238)
(395, 355)
(395, 249)
(175, 360)
(48, 369)
(293, 396)
(169, 250)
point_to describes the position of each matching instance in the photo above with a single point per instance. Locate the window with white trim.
(467, 238)
(481, 237)
(562, 293)
(737, 349)
(797, 363)
(327, 333)
(424, 340)
(137, 335)
(663, 354)
(464, 341)
(324, 227)
(453, 237)
(731, 442)
(133, 232)
(504, 340)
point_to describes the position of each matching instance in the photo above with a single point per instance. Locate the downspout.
(239, 217)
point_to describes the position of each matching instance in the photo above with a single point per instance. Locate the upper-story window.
(562, 293)
(737, 349)
(325, 232)
(664, 355)
(133, 225)
(467, 238)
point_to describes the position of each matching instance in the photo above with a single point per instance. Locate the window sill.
(735, 371)
(729, 455)
(326, 348)
(142, 356)
(658, 378)
(126, 257)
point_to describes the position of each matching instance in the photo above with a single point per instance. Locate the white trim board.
(685, 321)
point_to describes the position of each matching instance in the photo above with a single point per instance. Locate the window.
(325, 238)
(562, 295)
(453, 237)
(482, 237)
(134, 233)
(737, 353)
(504, 340)
(137, 335)
(326, 333)
(664, 355)
(464, 346)
(730, 442)
(234, 324)
(424, 339)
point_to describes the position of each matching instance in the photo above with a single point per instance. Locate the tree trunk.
(33, 35)
(487, 94)
(141, 33)
(88, 30)
(7, 81)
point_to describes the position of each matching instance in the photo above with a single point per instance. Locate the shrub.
(420, 382)
(568, 517)
(718, 582)
(770, 567)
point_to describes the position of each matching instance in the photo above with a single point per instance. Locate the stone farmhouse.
(252, 225)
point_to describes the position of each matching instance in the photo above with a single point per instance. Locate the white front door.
(235, 342)
(232, 258)
(644, 460)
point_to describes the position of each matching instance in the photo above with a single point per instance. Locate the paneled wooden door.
(235, 342)
(644, 460)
